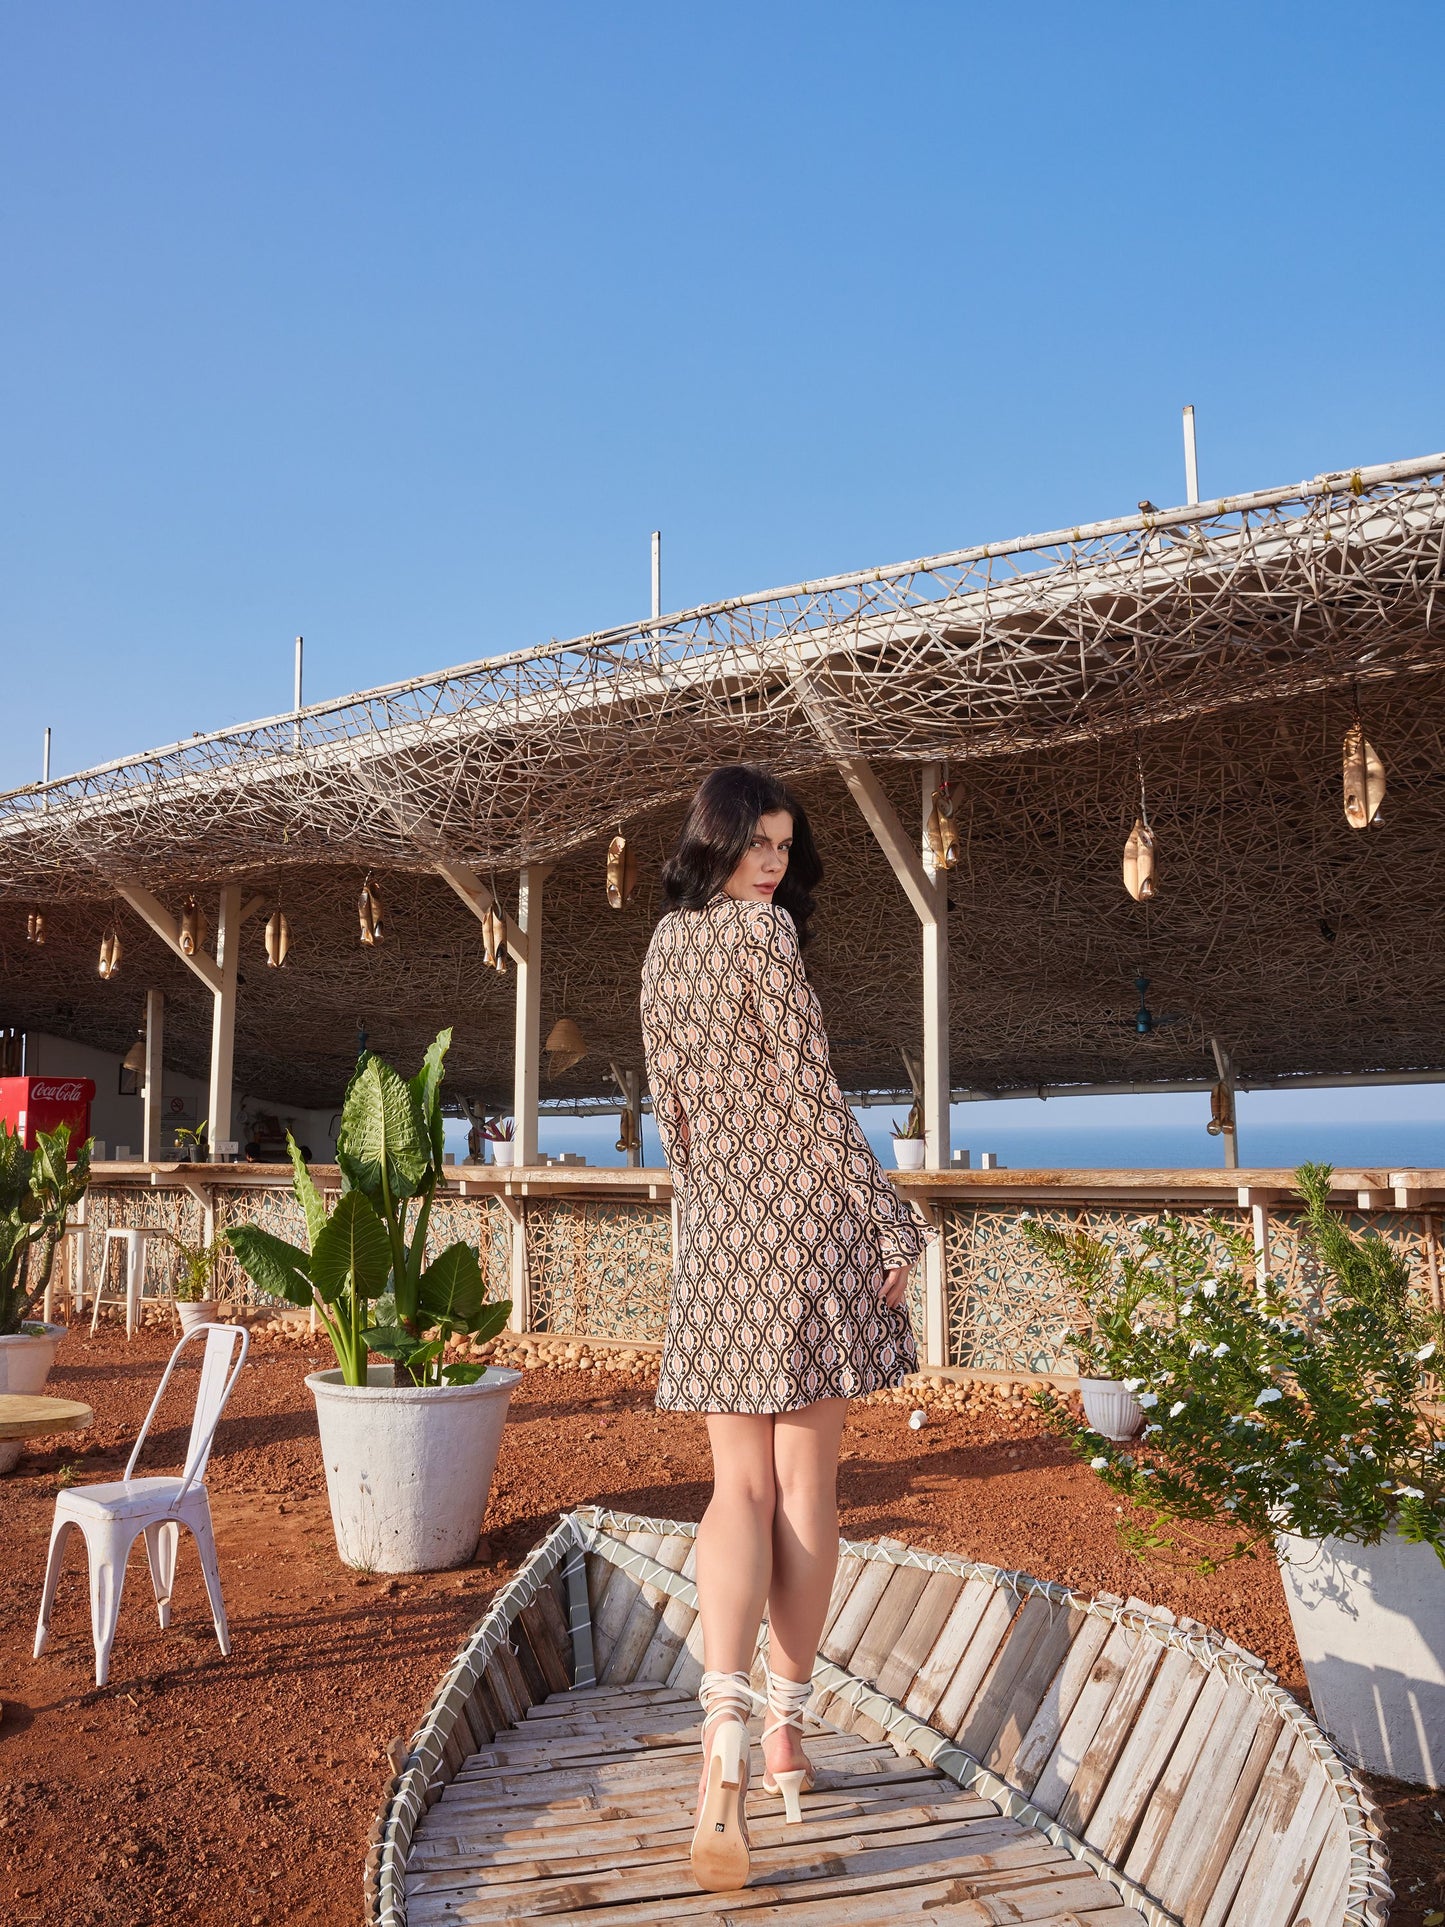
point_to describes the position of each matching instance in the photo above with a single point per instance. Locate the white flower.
(1367, 1451)
(1440, 1445)
(1132, 1384)
(1220, 1351)
(1230, 1504)
(1293, 1445)
(1197, 1347)
(1023, 1217)
(1268, 1396)
(1148, 1400)
(1288, 1489)
(1210, 1287)
(1425, 1351)
(1409, 1492)
(1186, 1308)
(1176, 1408)
(1152, 1428)
(1384, 1403)
(1097, 1465)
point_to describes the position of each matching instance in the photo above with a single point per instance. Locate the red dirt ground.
(210, 1793)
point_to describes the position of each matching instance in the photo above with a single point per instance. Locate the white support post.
(526, 1070)
(1257, 1202)
(223, 1018)
(1224, 1064)
(154, 1079)
(912, 864)
(936, 1075)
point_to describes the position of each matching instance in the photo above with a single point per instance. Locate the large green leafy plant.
(1263, 1416)
(37, 1189)
(365, 1269)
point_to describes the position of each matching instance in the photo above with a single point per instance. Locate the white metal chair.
(111, 1516)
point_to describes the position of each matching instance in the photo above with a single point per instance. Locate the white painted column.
(154, 1080)
(937, 1078)
(936, 1068)
(223, 1017)
(526, 1072)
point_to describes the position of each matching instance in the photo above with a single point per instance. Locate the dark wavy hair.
(719, 826)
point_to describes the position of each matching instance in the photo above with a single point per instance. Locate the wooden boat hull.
(1110, 1742)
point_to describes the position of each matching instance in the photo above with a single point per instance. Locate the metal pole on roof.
(45, 762)
(1191, 457)
(296, 726)
(656, 574)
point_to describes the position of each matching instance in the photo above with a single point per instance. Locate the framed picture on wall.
(130, 1082)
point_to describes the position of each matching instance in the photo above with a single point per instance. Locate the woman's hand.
(895, 1286)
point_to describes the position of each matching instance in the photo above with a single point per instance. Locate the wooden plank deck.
(580, 1813)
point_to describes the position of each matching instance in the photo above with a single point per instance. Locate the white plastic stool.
(111, 1516)
(134, 1243)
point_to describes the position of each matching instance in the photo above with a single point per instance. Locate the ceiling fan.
(1144, 1023)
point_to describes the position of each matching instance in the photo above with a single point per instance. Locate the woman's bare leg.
(804, 1549)
(734, 1541)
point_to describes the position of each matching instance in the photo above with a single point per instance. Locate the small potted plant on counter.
(908, 1139)
(409, 1445)
(37, 1190)
(500, 1133)
(1311, 1432)
(191, 1143)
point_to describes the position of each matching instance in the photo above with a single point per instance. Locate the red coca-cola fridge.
(31, 1104)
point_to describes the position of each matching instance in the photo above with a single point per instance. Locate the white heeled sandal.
(787, 1702)
(720, 1857)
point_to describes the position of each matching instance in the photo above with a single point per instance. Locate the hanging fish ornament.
(1139, 862)
(943, 829)
(35, 926)
(368, 910)
(278, 939)
(115, 954)
(190, 936)
(1364, 776)
(628, 1139)
(104, 965)
(621, 871)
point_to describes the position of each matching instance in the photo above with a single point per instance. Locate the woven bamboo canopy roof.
(1221, 649)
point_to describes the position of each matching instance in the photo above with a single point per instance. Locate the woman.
(793, 1264)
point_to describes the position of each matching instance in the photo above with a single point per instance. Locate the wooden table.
(26, 1415)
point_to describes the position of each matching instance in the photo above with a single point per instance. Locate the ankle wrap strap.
(787, 1703)
(725, 1696)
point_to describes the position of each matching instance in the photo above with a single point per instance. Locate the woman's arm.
(793, 1034)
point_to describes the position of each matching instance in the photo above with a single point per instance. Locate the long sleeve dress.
(786, 1219)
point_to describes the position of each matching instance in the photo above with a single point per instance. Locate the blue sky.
(402, 326)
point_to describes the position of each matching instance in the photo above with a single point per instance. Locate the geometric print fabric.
(786, 1220)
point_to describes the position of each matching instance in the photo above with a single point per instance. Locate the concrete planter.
(195, 1312)
(1370, 1625)
(501, 1150)
(908, 1153)
(1111, 1410)
(26, 1357)
(409, 1468)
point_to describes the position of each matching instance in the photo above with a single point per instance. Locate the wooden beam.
(223, 1019)
(479, 900)
(154, 914)
(893, 839)
(526, 1067)
(154, 1076)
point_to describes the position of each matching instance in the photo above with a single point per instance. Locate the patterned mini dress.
(786, 1220)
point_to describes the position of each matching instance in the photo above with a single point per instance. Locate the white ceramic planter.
(195, 1312)
(1370, 1625)
(408, 1469)
(908, 1153)
(26, 1357)
(1111, 1410)
(501, 1150)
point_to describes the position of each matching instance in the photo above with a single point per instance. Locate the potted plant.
(409, 1445)
(1312, 1432)
(196, 1302)
(908, 1139)
(500, 1133)
(37, 1189)
(191, 1143)
(1110, 1308)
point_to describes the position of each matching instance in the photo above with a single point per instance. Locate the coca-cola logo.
(44, 1092)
